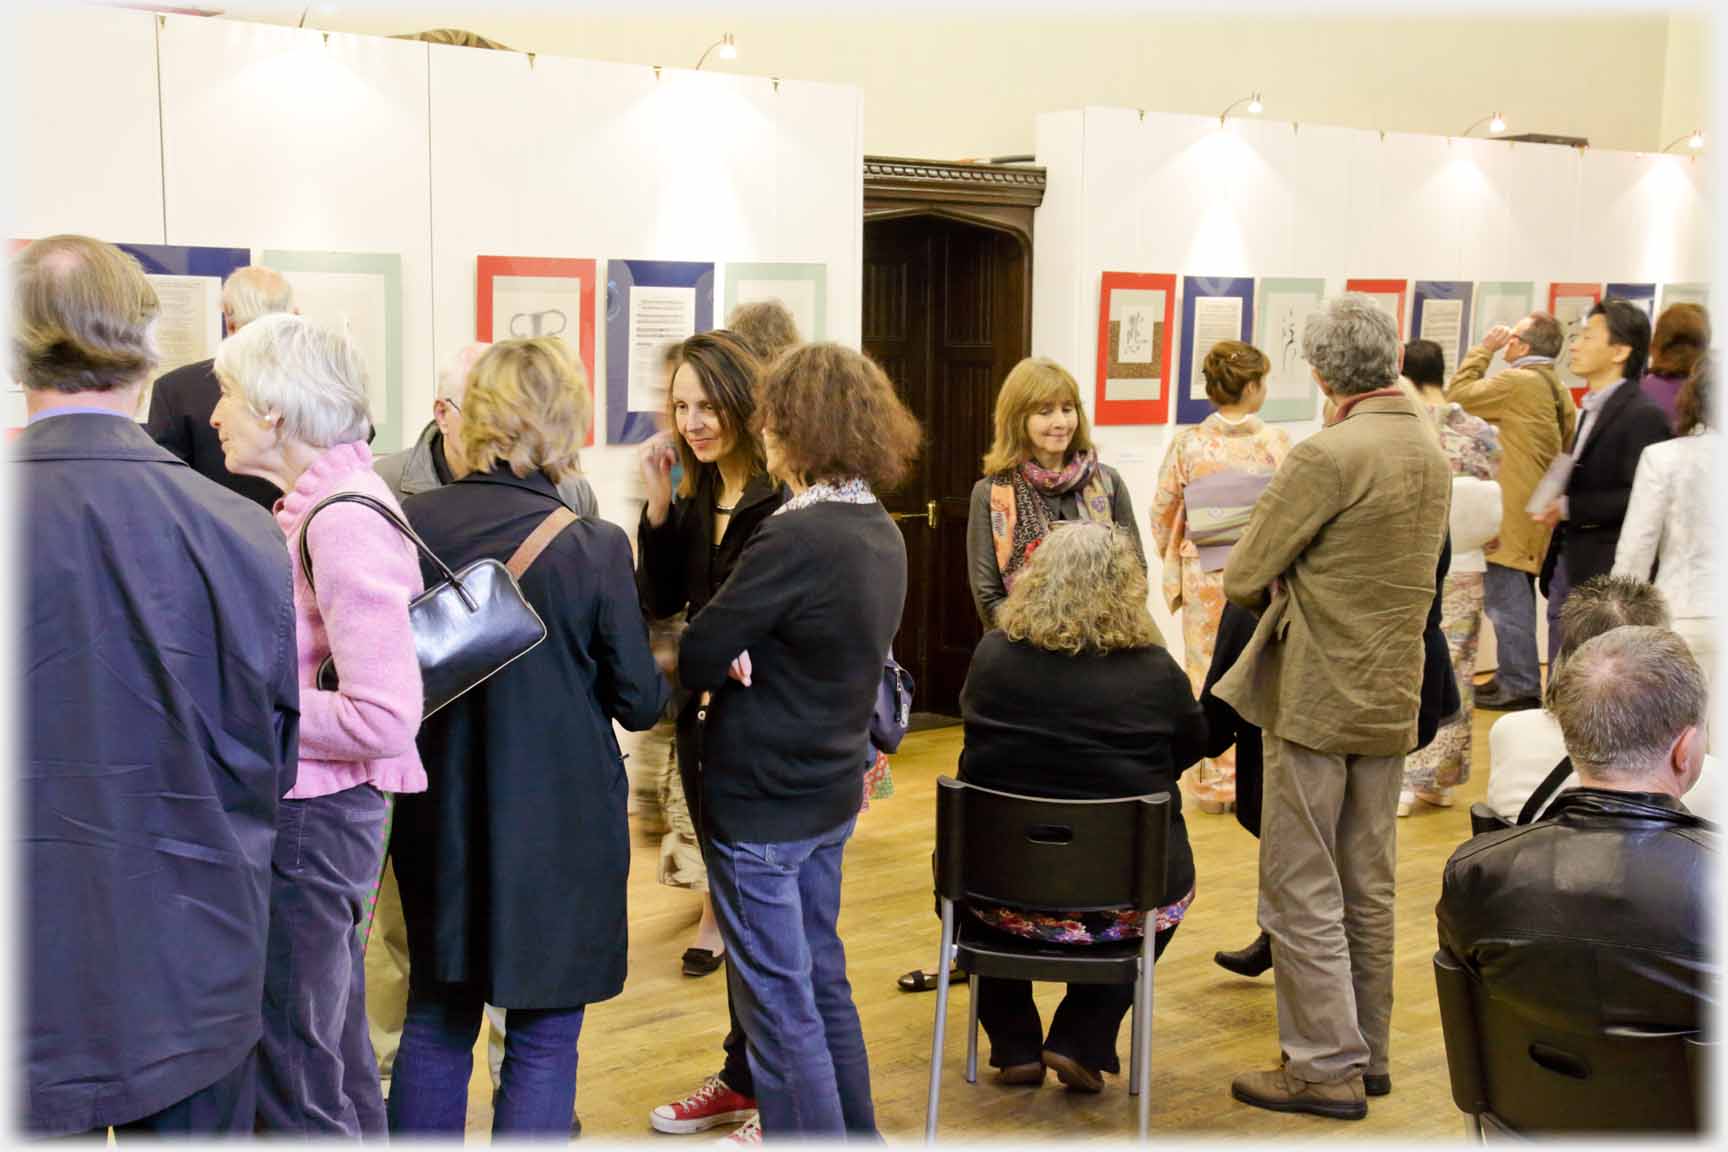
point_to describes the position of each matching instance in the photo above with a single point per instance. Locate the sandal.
(919, 980)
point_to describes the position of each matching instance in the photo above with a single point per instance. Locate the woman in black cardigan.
(792, 649)
(686, 548)
(513, 864)
(1074, 697)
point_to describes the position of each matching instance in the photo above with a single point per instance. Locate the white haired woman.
(293, 411)
(1075, 674)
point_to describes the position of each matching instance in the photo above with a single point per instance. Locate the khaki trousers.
(387, 972)
(1328, 847)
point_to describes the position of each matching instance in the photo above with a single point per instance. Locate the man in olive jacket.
(1535, 416)
(1339, 558)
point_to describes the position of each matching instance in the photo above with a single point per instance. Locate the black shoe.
(1377, 1084)
(700, 961)
(1250, 961)
(1491, 697)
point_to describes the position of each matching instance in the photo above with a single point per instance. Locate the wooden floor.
(661, 1037)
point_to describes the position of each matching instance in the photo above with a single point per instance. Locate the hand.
(666, 656)
(1492, 545)
(656, 458)
(1549, 516)
(740, 669)
(1496, 338)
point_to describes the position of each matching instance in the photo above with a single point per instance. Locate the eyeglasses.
(455, 407)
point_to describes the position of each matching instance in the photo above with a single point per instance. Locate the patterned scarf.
(1019, 518)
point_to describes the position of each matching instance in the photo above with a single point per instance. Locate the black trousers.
(1084, 1027)
(736, 1070)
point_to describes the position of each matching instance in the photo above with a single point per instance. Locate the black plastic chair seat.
(1116, 962)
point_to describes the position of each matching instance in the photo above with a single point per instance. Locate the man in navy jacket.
(160, 716)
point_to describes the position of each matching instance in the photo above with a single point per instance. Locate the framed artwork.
(1285, 307)
(1440, 311)
(1214, 308)
(1698, 294)
(527, 296)
(1500, 302)
(649, 304)
(1136, 312)
(360, 295)
(1643, 295)
(1389, 294)
(1570, 304)
(803, 288)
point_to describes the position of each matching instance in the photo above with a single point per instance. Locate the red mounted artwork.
(1136, 332)
(1570, 304)
(526, 296)
(1389, 294)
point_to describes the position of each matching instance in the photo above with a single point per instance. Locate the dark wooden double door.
(946, 313)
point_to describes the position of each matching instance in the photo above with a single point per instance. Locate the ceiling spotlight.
(728, 50)
(1496, 125)
(1693, 140)
(1253, 102)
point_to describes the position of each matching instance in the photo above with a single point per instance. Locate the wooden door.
(944, 314)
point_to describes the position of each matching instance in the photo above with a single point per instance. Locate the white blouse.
(1669, 523)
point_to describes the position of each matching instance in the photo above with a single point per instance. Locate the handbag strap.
(529, 551)
(383, 510)
(1544, 791)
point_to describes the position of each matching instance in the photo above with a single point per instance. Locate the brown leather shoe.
(1073, 1073)
(1032, 1073)
(1281, 1090)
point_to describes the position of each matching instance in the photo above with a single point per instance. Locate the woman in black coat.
(512, 865)
(1074, 697)
(687, 545)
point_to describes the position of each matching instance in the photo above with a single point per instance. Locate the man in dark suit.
(182, 400)
(161, 716)
(1616, 422)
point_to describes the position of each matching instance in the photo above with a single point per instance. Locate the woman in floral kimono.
(1211, 477)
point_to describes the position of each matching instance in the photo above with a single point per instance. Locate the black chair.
(1514, 1074)
(1047, 855)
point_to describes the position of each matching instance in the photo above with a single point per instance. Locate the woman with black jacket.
(792, 649)
(687, 545)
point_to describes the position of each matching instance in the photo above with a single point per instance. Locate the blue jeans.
(1559, 587)
(1509, 598)
(777, 905)
(317, 1075)
(429, 1081)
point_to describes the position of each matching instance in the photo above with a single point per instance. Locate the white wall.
(272, 137)
(947, 82)
(1183, 194)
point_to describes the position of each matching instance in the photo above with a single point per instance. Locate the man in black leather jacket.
(1599, 914)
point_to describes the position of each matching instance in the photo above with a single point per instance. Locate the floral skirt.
(1446, 762)
(1202, 607)
(1080, 927)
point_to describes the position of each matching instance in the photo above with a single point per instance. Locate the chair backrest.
(1029, 852)
(1532, 1077)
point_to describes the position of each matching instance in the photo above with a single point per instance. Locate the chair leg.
(1473, 1129)
(1143, 1037)
(1134, 1043)
(972, 1033)
(942, 961)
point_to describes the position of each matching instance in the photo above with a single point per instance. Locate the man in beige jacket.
(1535, 416)
(1339, 559)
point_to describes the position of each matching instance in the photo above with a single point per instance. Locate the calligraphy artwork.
(1135, 317)
(802, 288)
(1570, 304)
(650, 304)
(522, 297)
(1440, 312)
(1389, 295)
(1214, 308)
(1285, 308)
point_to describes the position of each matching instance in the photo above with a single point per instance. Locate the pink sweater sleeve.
(366, 574)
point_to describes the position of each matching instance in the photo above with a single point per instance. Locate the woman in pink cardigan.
(293, 411)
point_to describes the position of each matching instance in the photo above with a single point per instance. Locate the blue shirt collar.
(75, 410)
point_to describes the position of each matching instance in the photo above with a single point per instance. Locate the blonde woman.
(1211, 476)
(1074, 697)
(513, 866)
(1041, 470)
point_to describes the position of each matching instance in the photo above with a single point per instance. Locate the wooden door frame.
(1001, 197)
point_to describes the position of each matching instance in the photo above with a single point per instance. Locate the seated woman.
(1073, 697)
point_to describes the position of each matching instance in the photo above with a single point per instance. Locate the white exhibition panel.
(1133, 192)
(586, 159)
(288, 139)
(89, 155)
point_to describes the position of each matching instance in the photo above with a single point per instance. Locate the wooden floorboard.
(662, 1035)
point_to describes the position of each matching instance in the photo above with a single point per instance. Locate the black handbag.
(468, 625)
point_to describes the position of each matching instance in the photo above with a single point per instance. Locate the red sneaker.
(709, 1106)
